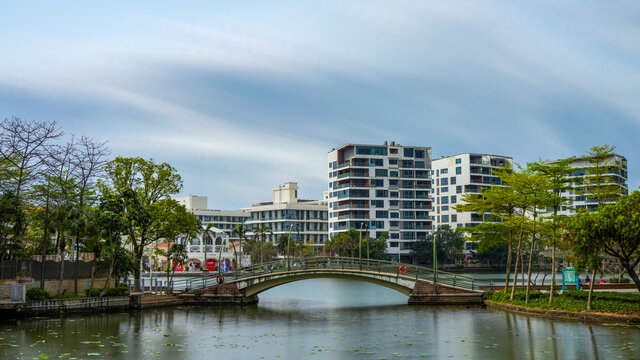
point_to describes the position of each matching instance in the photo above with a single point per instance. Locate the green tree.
(144, 188)
(260, 233)
(614, 230)
(500, 202)
(449, 246)
(600, 183)
(207, 240)
(584, 235)
(242, 233)
(558, 174)
(534, 189)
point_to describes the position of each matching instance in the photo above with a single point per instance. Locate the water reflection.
(314, 318)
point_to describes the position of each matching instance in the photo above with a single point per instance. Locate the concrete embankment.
(584, 315)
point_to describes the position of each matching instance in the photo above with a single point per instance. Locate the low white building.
(305, 219)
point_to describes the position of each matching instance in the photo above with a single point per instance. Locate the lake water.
(316, 319)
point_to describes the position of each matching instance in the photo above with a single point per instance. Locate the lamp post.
(288, 245)
(360, 248)
(435, 260)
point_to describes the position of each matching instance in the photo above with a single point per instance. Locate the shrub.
(35, 293)
(121, 290)
(619, 281)
(93, 292)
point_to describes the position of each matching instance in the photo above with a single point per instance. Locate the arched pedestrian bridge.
(420, 284)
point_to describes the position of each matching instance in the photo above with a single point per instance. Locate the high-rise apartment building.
(306, 220)
(381, 188)
(454, 176)
(579, 193)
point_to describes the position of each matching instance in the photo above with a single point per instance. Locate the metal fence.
(13, 292)
(15, 269)
(338, 263)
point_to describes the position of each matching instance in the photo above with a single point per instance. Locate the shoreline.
(590, 316)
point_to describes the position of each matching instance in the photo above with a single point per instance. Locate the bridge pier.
(225, 294)
(426, 293)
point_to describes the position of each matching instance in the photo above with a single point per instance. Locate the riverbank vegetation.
(523, 218)
(65, 198)
(573, 301)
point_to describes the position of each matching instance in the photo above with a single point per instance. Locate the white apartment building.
(381, 188)
(224, 220)
(578, 195)
(454, 176)
(306, 220)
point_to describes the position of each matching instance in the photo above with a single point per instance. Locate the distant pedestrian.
(587, 282)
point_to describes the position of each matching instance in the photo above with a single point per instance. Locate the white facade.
(381, 188)
(577, 194)
(305, 219)
(454, 176)
(224, 220)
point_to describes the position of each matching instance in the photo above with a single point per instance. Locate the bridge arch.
(255, 285)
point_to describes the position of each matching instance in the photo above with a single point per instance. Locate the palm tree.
(241, 231)
(206, 238)
(261, 232)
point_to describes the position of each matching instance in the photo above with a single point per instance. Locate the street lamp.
(435, 260)
(288, 245)
(360, 249)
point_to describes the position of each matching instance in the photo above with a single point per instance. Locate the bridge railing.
(328, 262)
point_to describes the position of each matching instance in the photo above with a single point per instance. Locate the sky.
(242, 96)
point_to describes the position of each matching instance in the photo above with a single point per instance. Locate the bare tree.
(23, 152)
(89, 159)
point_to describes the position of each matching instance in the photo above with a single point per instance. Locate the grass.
(572, 301)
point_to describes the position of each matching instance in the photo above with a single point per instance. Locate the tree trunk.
(533, 241)
(136, 272)
(76, 269)
(61, 279)
(593, 280)
(552, 289)
(633, 275)
(515, 271)
(509, 254)
(93, 268)
(106, 283)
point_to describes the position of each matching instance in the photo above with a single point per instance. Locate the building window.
(408, 152)
(395, 215)
(381, 172)
(445, 189)
(445, 200)
(458, 170)
(394, 244)
(459, 189)
(444, 181)
(452, 180)
(393, 161)
(458, 161)
(453, 199)
(382, 193)
(393, 173)
(444, 171)
(393, 202)
(382, 214)
(445, 218)
(377, 203)
(454, 218)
